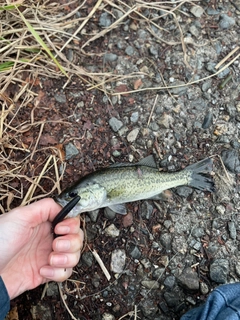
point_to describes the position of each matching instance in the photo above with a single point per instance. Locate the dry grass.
(34, 36)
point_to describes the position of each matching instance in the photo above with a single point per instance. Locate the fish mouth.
(75, 210)
(60, 201)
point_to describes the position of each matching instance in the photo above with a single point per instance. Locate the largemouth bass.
(118, 184)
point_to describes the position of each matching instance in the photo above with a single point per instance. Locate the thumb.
(38, 212)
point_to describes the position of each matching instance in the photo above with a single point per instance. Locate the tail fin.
(200, 177)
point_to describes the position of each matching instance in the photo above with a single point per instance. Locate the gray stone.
(129, 51)
(117, 13)
(147, 210)
(150, 284)
(232, 230)
(153, 50)
(60, 97)
(110, 57)
(118, 260)
(210, 66)
(165, 121)
(132, 136)
(166, 240)
(105, 20)
(169, 282)
(154, 126)
(142, 34)
(195, 245)
(109, 213)
(206, 85)
(148, 307)
(134, 116)
(184, 191)
(197, 11)
(226, 22)
(237, 269)
(207, 121)
(87, 258)
(108, 316)
(112, 231)
(70, 151)
(189, 279)
(135, 253)
(219, 270)
(204, 288)
(146, 263)
(198, 232)
(93, 215)
(167, 224)
(173, 298)
(194, 31)
(95, 280)
(224, 73)
(52, 289)
(212, 12)
(179, 90)
(231, 160)
(116, 153)
(235, 144)
(158, 273)
(115, 124)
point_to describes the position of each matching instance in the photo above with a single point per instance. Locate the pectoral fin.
(118, 208)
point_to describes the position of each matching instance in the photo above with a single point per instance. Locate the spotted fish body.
(116, 185)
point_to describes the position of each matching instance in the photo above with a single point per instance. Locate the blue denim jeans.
(223, 303)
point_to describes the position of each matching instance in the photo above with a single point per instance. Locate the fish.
(118, 184)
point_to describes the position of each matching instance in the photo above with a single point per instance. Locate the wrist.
(13, 285)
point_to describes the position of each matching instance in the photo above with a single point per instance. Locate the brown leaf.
(137, 84)
(121, 88)
(47, 139)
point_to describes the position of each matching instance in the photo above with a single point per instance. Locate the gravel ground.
(164, 257)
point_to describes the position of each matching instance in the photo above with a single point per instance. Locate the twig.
(64, 302)
(101, 264)
(151, 113)
(227, 56)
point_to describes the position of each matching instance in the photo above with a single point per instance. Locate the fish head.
(92, 196)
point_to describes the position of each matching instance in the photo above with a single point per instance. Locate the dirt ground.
(144, 78)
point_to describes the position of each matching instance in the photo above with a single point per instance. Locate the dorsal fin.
(149, 161)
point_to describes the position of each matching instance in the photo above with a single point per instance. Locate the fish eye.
(72, 194)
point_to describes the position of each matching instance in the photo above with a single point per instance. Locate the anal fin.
(118, 208)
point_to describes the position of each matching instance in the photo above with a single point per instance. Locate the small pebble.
(226, 22)
(132, 136)
(118, 260)
(112, 231)
(115, 124)
(60, 97)
(150, 284)
(197, 11)
(219, 270)
(232, 230)
(105, 20)
(70, 151)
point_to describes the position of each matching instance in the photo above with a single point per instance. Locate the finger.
(55, 274)
(64, 260)
(70, 225)
(69, 243)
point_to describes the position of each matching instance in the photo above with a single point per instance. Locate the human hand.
(29, 255)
